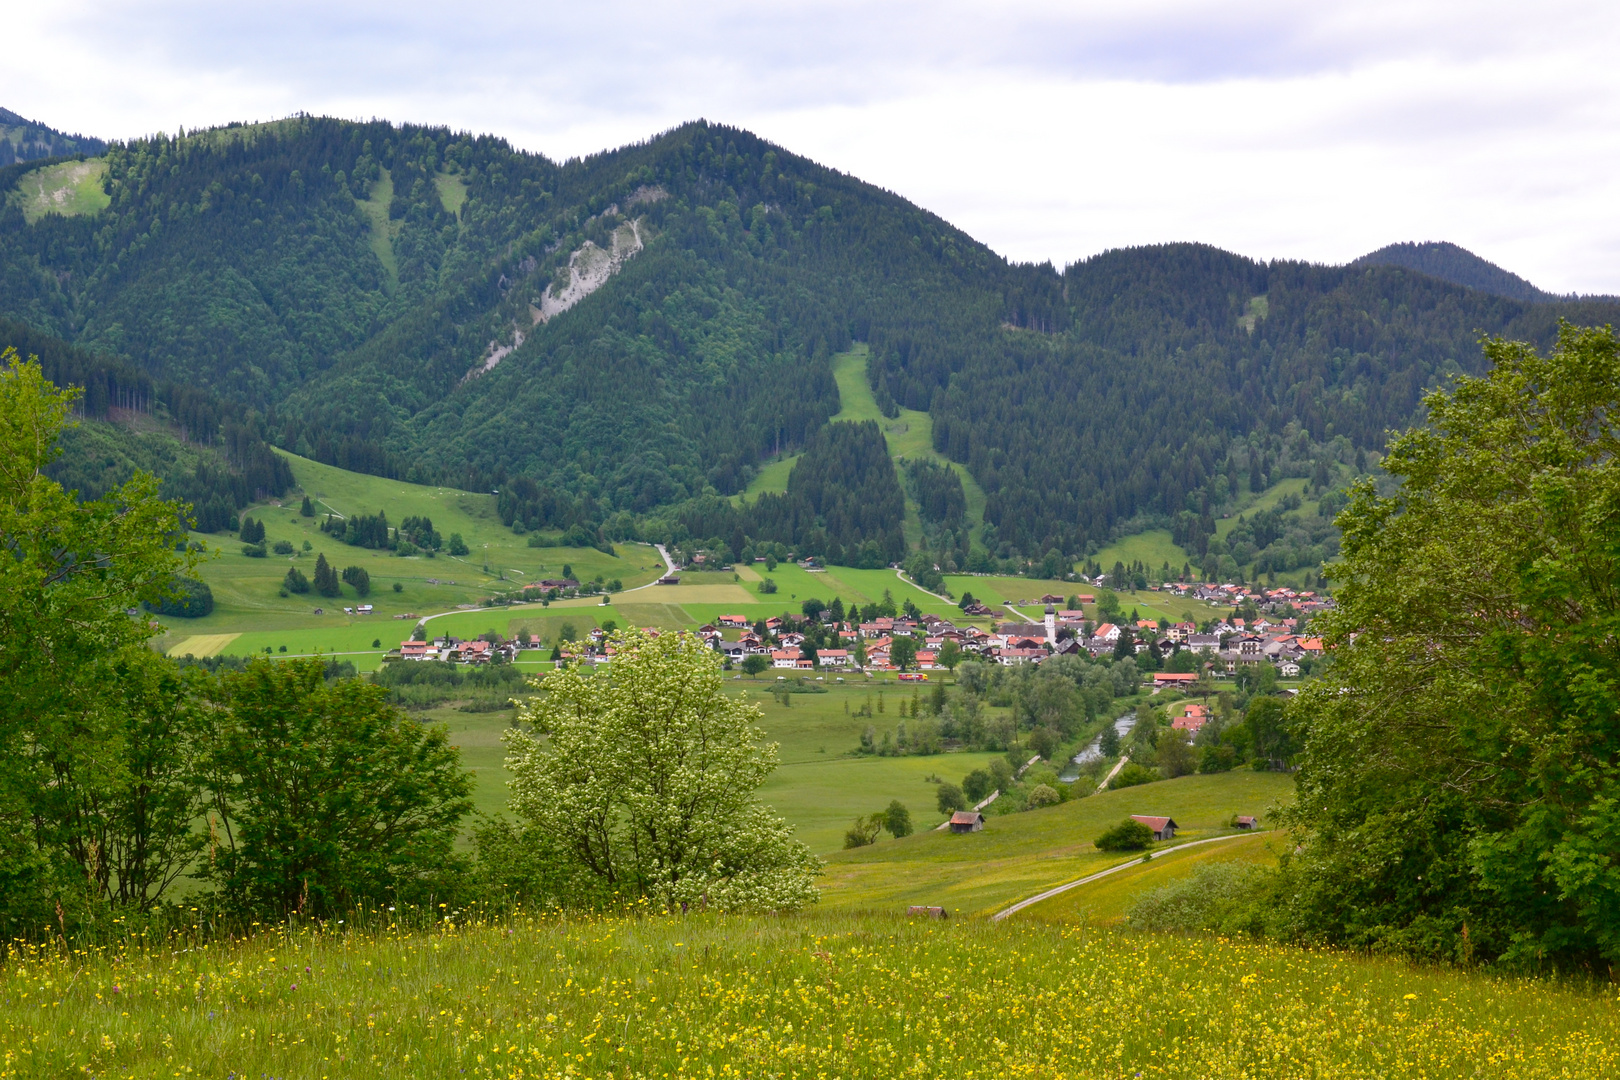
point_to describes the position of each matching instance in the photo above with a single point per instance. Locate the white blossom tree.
(646, 776)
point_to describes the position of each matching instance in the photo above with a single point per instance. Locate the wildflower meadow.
(812, 995)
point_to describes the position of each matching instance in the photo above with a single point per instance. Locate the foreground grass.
(800, 996)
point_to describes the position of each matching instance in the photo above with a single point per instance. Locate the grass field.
(71, 188)
(1153, 547)
(812, 995)
(1019, 855)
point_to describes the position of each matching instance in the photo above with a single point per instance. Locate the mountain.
(619, 344)
(1448, 262)
(26, 140)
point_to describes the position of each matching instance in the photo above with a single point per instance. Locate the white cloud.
(1048, 130)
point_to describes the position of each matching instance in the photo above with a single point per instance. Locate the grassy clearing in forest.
(804, 996)
(70, 189)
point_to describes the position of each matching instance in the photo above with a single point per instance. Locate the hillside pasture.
(1021, 854)
(1106, 901)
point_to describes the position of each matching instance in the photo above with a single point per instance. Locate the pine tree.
(326, 579)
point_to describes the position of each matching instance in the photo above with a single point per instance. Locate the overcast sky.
(1048, 130)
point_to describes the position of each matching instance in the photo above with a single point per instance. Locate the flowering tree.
(645, 778)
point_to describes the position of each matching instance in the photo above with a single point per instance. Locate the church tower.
(1051, 625)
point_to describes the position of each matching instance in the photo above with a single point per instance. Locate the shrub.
(255, 551)
(863, 832)
(398, 587)
(458, 546)
(1132, 775)
(1042, 795)
(1223, 897)
(950, 799)
(295, 581)
(1128, 835)
(767, 586)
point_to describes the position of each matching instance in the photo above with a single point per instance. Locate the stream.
(1093, 749)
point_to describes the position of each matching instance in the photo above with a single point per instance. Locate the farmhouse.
(1194, 720)
(1174, 678)
(1163, 828)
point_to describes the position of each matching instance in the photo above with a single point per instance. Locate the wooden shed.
(1245, 822)
(1163, 828)
(966, 821)
(928, 911)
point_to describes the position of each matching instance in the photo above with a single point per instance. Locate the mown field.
(816, 995)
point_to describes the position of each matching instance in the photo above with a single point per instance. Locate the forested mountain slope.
(1448, 262)
(210, 453)
(613, 341)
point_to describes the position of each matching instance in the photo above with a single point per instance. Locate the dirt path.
(1049, 893)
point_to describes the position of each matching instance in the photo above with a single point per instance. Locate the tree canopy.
(1458, 786)
(645, 778)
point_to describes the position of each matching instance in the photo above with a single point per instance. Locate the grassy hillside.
(789, 996)
(247, 604)
(1107, 901)
(1022, 854)
(70, 189)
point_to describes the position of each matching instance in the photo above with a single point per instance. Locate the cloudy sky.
(1048, 130)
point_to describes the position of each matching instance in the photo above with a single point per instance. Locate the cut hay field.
(821, 994)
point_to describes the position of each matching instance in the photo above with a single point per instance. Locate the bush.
(1131, 776)
(255, 551)
(187, 598)
(767, 586)
(1228, 898)
(295, 581)
(950, 799)
(284, 547)
(458, 546)
(1128, 835)
(1042, 795)
(863, 832)
(398, 587)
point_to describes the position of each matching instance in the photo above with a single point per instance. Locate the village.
(1271, 635)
